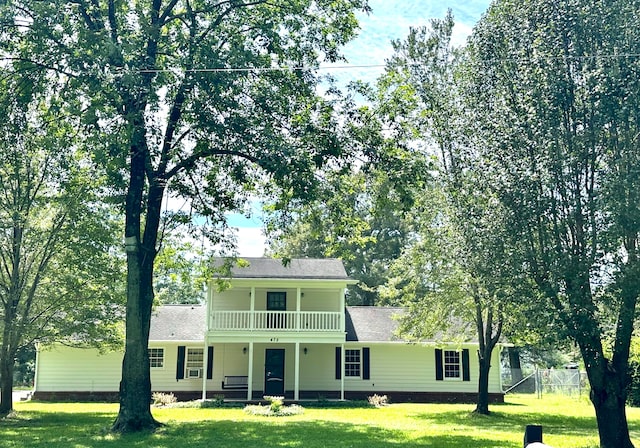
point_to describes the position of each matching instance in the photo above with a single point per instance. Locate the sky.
(389, 20)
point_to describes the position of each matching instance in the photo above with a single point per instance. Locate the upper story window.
(156, 358)
(276, 301)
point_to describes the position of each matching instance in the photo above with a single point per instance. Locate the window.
(194, 362)
(156, 358)
(451, 364)
(277, 301)
(352, 363)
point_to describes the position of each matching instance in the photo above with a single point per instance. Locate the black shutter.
(466, 376)
(210, 362)
(366, 374)
(439, 368)
(180, 366)
(338, 363)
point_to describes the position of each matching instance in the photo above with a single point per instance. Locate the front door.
(274, 372)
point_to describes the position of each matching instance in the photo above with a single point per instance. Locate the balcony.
(277, 321)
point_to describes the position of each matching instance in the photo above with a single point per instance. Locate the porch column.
(296, 386)
(209, 317)
(298, 296)
(252, 308)
(342, 375)
(205, 366)
(342, 310)
(250, 372)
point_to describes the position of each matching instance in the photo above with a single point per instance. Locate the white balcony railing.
(276, 320)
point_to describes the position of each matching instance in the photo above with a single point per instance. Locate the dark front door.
(274, 372)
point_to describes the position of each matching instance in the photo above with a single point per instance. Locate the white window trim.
(352, 377)
(444, 366)
(187, 367)
(164, 358)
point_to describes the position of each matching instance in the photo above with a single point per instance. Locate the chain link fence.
(571, 382)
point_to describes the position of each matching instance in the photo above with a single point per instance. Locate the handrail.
(276, 320)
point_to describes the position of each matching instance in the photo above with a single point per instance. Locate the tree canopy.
(57, 238)
(551, 94)
(212, 101)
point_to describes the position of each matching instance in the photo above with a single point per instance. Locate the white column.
(37, 372)
(205, 365)
(296, 387)
(252, 308)
(342, 375)
(250, 372)
(210, 295)
(342, 309)
(298, 299)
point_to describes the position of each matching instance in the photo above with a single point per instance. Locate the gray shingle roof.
(372, 323)
(297, 268)
(178, 323)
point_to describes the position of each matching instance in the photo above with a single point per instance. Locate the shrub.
(216, 402)
(275, 408)
(378, 400)
(162, 399)
(276, 403)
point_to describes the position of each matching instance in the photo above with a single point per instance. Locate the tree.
(181, 272)
(454, 271)
(552, 100)
(210, 100)
(359, 217)
(56, 243)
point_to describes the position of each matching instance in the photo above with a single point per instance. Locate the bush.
(275, 408)
(162, 399)
(378, 400)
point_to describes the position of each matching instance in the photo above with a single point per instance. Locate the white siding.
(319, 300)
(67, 369)
(393, 367)
(232, 300)
(237, 299)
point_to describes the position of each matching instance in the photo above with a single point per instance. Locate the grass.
(567, 422)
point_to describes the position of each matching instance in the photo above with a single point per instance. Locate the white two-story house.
(276, 330)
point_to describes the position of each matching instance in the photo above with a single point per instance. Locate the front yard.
(567, 422)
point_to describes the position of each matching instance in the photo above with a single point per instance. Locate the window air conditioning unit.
(194, 373)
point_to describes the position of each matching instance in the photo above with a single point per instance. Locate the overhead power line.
(269, 69)
(381, 65)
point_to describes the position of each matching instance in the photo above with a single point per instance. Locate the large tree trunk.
(7, 355)
(6, 381)
(135, 386)
(482, 404)
(609, 401)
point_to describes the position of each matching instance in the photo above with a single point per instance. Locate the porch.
(250, 370)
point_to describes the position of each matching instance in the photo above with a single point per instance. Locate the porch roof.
(178, 323)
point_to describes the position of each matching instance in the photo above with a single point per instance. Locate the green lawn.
(567, 422)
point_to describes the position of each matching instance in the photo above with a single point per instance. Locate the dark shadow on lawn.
(49, 430)
(508, 422)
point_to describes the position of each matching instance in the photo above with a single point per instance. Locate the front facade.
(281, 331)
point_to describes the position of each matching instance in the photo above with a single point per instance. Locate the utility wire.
(379, 65)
